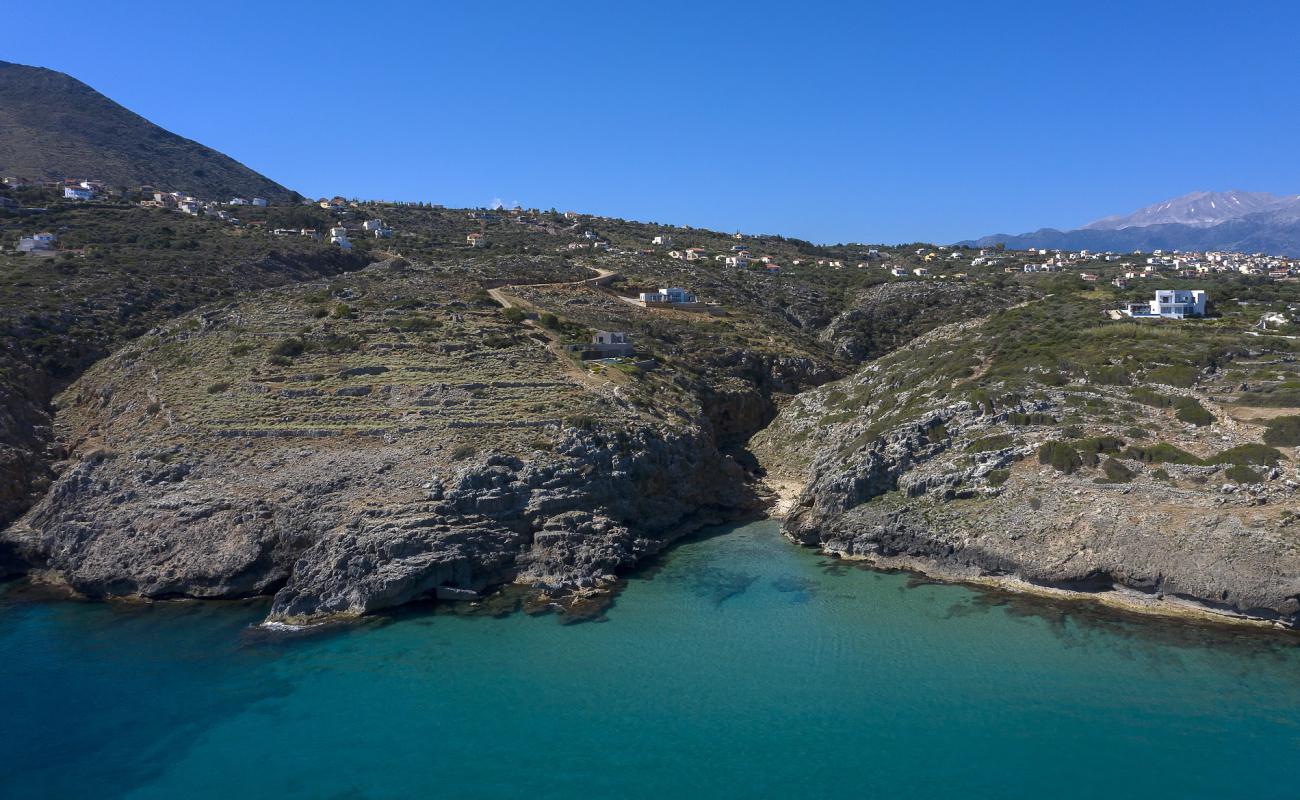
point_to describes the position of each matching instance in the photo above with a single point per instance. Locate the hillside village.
(345, 221)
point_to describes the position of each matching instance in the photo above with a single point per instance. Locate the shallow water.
(739, 666)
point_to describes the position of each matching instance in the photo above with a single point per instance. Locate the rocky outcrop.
(26, 443)
(888, 316)
(561, 526)
(901, 500)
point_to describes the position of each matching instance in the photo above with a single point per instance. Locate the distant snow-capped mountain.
(1197, 208)
(1241, 221)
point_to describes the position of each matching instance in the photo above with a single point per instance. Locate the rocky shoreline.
(784, 497)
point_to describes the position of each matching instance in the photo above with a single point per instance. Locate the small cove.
(739, 666)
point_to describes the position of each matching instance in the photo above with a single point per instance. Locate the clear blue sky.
(831, 121)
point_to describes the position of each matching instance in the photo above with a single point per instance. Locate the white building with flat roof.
(671, 294)
(1170, 304)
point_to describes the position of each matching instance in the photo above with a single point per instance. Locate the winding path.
(583, 376)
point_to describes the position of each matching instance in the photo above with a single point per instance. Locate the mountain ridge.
(1235, 221)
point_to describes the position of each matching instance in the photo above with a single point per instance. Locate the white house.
(339, 236)
(1170, 304)
(920, 272)
(662, 240)
(237, 201)
(260, 202)
(740, 261)
(373, 224)
(78, 193)
(673, 295)
(898, 272)
(35, 242)
(476, 240)
(612, 343)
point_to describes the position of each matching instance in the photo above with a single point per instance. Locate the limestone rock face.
(345, 533)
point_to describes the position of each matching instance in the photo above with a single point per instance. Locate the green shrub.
(1179, 375)
(1284, 431)
(981, 399)
(289, 348)
(1110, 376)
(549, 320)
(1191, 411)
(1240, 473)
(463, 451)
(341, 311)
(936, 433)
(418, 322)
(1116, 472)
(340, 343)
(241, 349)
(581, 421)
(514, 314)
(1060, 456)
(1160, 453)
(319, 312)
(998, 441)
(1020, 420)
(1242, 454)
(997, 477)
(218, 387)
(1161, 474)
(1150, 397)
(1099, 444)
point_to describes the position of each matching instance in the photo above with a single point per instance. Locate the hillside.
(422, 418)
(428, 420)
(1049, 448)
(53, 126)
(124, 270)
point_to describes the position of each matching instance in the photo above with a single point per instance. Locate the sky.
(858, 121)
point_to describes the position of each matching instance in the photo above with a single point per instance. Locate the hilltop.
(53, 126)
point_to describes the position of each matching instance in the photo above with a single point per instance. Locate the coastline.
(1120, 599)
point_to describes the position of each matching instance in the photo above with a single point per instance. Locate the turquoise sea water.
(740, 666)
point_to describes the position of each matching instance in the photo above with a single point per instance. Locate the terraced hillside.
(119, 271)
(356, 444)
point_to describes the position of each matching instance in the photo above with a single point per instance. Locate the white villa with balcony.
(1170, 304)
